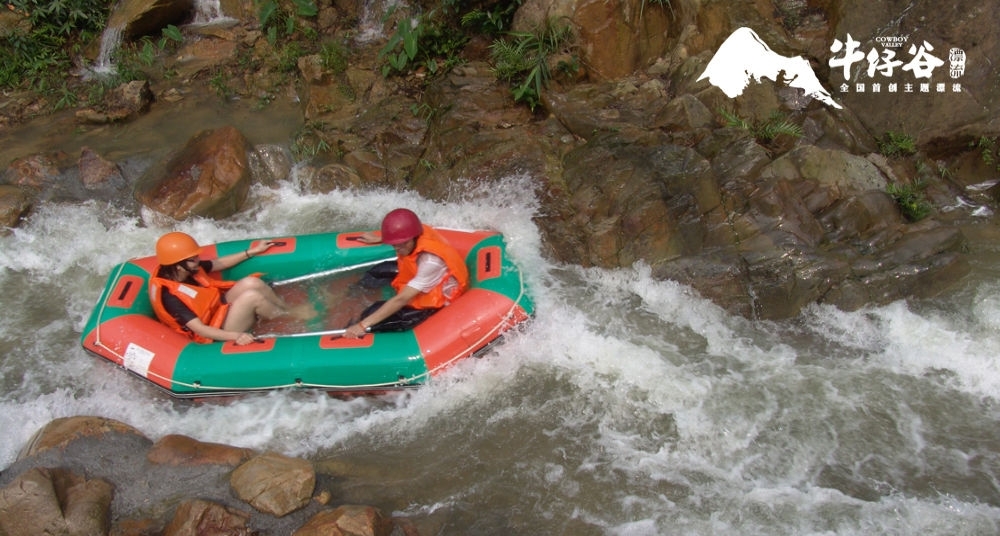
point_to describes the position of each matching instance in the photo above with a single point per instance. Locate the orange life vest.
(432, 242)
(204, 300)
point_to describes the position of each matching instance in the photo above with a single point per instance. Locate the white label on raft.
(137, 358)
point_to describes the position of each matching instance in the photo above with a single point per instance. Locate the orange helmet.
(399, 226)
(174, 247)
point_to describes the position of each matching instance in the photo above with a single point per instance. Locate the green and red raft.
(123, 329)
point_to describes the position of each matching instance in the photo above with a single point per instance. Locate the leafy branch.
(766, 131)
(523, 58)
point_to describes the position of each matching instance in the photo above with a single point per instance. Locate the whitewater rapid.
(630, 406)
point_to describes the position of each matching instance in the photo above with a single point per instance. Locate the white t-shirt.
(430, 270)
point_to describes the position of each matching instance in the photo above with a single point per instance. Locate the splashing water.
(209, 12)
(630, 406)
(111, 41)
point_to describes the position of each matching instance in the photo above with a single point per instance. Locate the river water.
(630, 407)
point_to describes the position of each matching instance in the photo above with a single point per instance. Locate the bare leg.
(251, 299)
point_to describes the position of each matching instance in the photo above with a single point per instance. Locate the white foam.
(630, 404)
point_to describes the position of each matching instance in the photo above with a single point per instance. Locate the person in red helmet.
(431, 275)
(205, 309)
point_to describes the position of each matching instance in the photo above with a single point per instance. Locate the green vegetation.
(910, 199)
(894, 144)
(431, 41)
(767, 131)
(39, 52)
(333, 55)
(989, 151)
(492, 22)
(274, 18)
(522, 59)
(220, 86)
(310, 141)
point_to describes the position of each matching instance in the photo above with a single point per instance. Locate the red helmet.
(399, 226)
(174, 247)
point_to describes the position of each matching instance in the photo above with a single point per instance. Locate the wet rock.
(929, 117)
(685, 112)
(137, 18)
(479, 135)
(176, 449)
(866, 214)
(274, 484)
(637, 200)
(270, 164)
(347, 520)
(137, 527)
(827, 167)
(121, 104)
(34, 171)
(209, 177)
(95, 170)
(203, 518)
(331, 177)
(202, 55)
(614, 38)
(58, 433)
(151, 481)
(15, 203)
(55, 501)
(366, 164)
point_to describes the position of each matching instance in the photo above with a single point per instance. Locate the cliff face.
(764, 197)
(664, 167)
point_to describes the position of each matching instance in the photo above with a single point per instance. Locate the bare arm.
(397, 302)
(370, 238)
(224, 263)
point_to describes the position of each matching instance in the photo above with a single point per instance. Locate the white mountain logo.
(744, 56)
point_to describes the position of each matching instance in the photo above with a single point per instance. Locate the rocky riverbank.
(764, 203)
(90, 475)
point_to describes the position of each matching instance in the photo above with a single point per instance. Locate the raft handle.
(125, 288)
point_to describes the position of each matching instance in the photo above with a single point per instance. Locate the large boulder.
(209, 177)
(348, 520)
(55, 501)
(137, 18)
(176, 449)
(58, 433)
(198, 517)
(123, 103)
(274, 484)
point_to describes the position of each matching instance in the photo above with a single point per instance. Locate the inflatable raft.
(123, 329)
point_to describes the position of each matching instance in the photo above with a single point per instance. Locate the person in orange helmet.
(206, 309)
(431, 275)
